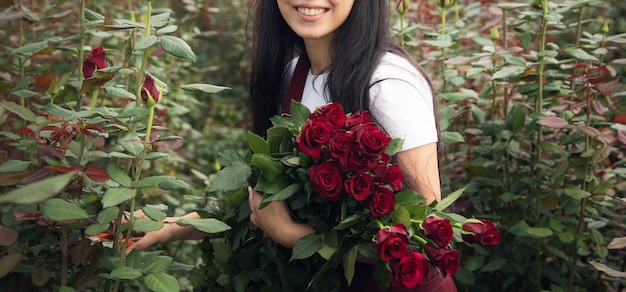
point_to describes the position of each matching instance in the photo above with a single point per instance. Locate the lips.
(311, 11)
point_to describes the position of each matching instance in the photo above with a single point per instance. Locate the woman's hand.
(275, 220)
(170, 232)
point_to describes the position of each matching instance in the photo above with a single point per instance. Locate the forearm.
(289, 235)
(188, 232)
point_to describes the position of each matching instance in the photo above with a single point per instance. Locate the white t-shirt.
(402, 102)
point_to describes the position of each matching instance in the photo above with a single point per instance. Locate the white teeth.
(311, 11)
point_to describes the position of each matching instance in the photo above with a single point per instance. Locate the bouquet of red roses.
(336, 173)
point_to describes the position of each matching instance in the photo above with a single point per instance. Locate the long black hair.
(359, 44)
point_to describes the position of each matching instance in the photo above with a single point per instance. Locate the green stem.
(81, 45)
(538, 148)
(402, 20)
(94, 99)
(420, 240)
(443, 20)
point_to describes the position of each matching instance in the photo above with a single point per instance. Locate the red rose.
(437, 229)
(95, 61)
(356, 161)
(446, 259)
(332, 113)
(371, 140)
(326, 180)
(315, 132)
(150, 92)
(409, 270)
(483, 232)
(359, 186)
(382, 203)
(339, 145)
(357, 118)
(392, 242)
(393, 177)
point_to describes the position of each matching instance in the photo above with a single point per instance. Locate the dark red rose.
(150, 92)
(357, 118)
(339, 145)
(483, 232)
(383, 202)
(357, 162)
(437, 229)
(371, 140)
(332, 113)
(392, 242)
(96, 60)
(315, 133)
(409, 270)
(326, 180)
(360, 186)
(446, 259)
(393, 177)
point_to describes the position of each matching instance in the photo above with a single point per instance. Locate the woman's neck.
(319, 55)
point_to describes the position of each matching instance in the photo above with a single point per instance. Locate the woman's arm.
(170, 232)
(420, 168)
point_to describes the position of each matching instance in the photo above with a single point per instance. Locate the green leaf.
(516, 118)
(61, 210)
(177, 47)
(118, 175)
(580, 54)
(208, 225)
(157, 264)
(154, 214)
(9, 262)
(116, 196)
(282, 194)
(231, 177)
(394, 146)
(19, 110)
(38, 191)
(30, 48)
(506, 72)
(409, 198)
(160, 20)
(449, 199)
(299, 114)
(96, 228)
(23, 93)
(257, 144)
(66, 289)
(161, 282)
(125, 273)
(145, 42)
(270, 168)
(174, 184)
(145, 225)
(119, 92)
(401, 215)
(307, 246)
(576, 193)
(14, 166)
(206, 88)
(494, 265)
(349, 260)
(539, 231)
(450, 138)
(349, 221)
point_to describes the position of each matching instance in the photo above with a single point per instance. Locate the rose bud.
(356, 119)
(409, 270)
(483, 232)
(403, 6)
(437, 229)
(95, 61)
(446, 259)
(445, 3)
(392, 242)
(150, 91)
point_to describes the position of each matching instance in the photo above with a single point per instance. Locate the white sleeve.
(402, 102)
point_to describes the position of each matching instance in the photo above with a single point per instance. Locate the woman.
(348, 56)
(353, 61)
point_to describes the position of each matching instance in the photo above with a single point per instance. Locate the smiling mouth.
(311, 11)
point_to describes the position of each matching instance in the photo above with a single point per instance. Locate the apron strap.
(296, 87)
